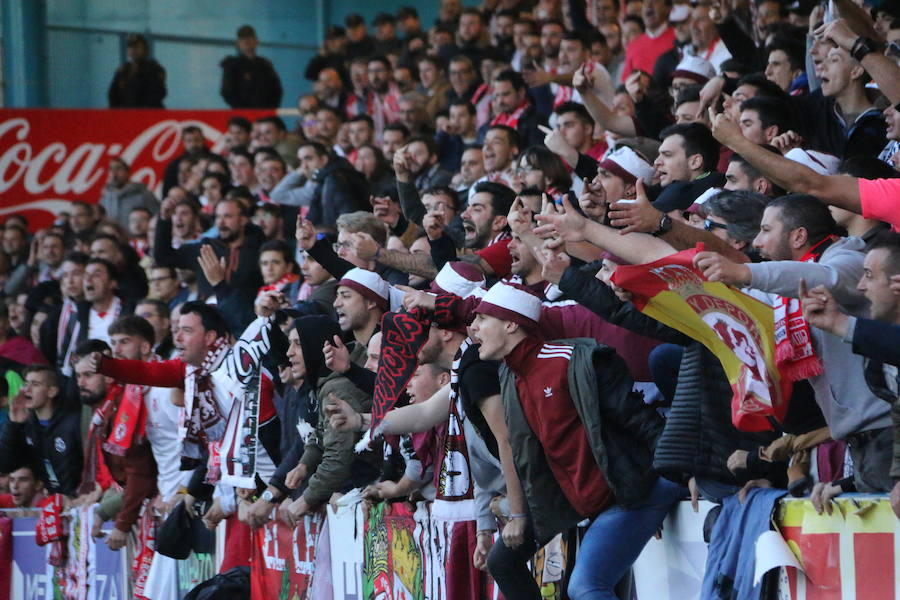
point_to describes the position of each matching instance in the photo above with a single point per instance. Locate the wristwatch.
(268, 496)
(862, 47)
(665, 226)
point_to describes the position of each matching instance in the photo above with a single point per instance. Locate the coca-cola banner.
(50, 157)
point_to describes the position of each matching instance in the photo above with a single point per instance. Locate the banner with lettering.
(49, 157)
(91, 571)
(738, 329)
(283, 559)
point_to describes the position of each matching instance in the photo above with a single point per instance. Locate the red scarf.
(794, 353)
(279, 285)
(564, 93)
(511, 119)
(201, 419)
(50, 526)
(131, 419)
(143, 551)
(480, 91)
(95, 469)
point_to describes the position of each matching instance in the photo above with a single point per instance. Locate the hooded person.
(322, 460)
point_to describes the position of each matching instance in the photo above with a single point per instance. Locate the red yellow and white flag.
(737, 328)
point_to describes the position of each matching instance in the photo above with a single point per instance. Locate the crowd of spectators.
(217, 342)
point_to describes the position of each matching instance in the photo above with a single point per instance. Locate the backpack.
(233, 584)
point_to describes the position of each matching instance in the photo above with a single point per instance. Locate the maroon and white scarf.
(67, 334)
(202, 420)
(794, 353)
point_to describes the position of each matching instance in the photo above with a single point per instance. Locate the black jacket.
(865, 137)
(699, 436)
(250, 82)
(325, 255)
(339, 189)
(54, 451)
(244, 282)
(140, 84)
(679, 195)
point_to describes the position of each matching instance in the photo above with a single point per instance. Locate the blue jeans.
(665, 363)
(615, 539)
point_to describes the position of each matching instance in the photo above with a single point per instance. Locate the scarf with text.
(452, 473)
(794, 353)
(49, 526)
(402, 336)
(201, 420)
(145, 545)
(130, 426)
(252, 408)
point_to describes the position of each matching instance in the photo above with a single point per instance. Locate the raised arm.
(882, 69)
(167, 374)
(640, 216)
(572, 226)
(419, 417)
(838, 190)
(602, 114)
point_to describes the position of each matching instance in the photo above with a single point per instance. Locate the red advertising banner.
(49, 157)
(283, 559)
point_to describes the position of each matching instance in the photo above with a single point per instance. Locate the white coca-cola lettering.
(82, 169)
(89, 173)
(56, 151)
(12, 154)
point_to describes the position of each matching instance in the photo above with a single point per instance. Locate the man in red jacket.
(582, 443)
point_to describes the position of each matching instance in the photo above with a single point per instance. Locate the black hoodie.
(314, 331)
(54, 451)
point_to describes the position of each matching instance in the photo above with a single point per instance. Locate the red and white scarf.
(564, 94)
(95, 469)
(280, 285)
(50, 525)
(67, 334)
(794, 353)
(50, 529)
(143, 550)
(384, 108)
(511, 119)
(130, 425)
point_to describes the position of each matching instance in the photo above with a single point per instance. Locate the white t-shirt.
(98, 324)
(162, 433)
